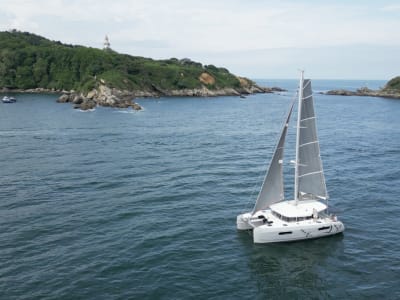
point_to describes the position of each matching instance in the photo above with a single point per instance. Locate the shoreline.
(111, 97)
(365, 92)
(197, 92)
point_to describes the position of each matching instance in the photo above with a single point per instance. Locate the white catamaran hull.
(269, 234)
(269, 229)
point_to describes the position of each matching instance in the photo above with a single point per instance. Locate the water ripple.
(143, 205)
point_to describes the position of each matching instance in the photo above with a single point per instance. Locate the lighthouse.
(106, 44)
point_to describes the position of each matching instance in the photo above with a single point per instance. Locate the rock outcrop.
(206, 78)
(102, 96)
(384, 93)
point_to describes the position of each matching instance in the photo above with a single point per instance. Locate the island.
(88, 77)
(390, 90)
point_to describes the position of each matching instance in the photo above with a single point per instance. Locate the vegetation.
(29, 61)
(393, 84)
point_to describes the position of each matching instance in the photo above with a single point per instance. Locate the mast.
(296, 165)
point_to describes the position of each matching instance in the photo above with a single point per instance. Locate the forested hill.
(29, 61)
(393, 85)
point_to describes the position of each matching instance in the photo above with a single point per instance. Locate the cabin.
(289, 211)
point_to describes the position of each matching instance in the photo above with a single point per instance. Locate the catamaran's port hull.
(270, 234)
(242, 222)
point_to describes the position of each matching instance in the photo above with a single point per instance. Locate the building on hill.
(106, 44)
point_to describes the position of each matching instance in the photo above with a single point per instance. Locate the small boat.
(7, 99)
(274, 219)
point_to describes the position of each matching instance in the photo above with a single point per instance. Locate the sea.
(118, 204)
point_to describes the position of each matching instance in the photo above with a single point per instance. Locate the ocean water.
(117, 204)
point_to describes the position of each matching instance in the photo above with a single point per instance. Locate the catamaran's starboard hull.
(271, 234)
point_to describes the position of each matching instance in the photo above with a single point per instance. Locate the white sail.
(272, 188)
(311, 180)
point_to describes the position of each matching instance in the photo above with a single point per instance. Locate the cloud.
(191, 28)
(391, 8)
(364, 61)
(222, 25)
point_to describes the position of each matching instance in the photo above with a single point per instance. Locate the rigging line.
(314, 142)
(306, 119)
(311, 173)
(308, 83)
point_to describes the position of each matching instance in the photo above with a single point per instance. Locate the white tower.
(106, 44)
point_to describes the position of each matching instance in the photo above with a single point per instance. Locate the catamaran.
(7, 99)
(274, 219)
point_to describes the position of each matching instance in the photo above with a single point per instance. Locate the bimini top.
(303, 208)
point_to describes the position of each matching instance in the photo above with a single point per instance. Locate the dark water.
(113, 204)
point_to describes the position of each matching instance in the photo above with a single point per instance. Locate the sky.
(336, 39)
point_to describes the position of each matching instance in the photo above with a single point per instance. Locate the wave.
(129, 111)
(87, 110)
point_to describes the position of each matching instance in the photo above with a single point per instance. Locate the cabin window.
(285, 232)
(324, 228)
(277, 215)
(290, 219)
(304, 218)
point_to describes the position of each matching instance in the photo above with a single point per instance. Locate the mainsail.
(311, 180)
(272, 188)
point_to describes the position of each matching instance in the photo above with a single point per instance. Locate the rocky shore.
(105, 96)
(384, 93)
(102, 96)
(111, 97)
